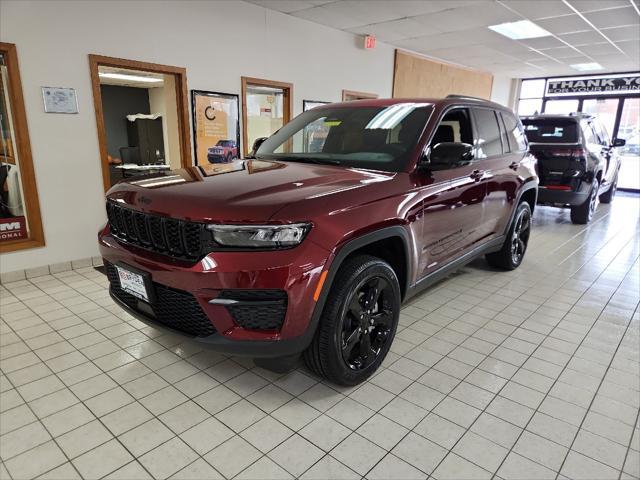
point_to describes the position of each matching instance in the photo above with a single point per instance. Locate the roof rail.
(455, 95)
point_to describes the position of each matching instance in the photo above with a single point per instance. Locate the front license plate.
(133, 283)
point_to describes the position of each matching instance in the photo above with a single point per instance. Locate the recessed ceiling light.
(129, 78)
(520, 30)
(586, 67)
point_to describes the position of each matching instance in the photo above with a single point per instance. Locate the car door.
(597, 154)
(452, 198)
(498, 166)
(607, 152)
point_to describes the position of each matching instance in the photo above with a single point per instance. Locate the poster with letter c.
(216, 126)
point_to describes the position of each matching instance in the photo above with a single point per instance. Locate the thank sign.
(613, 84)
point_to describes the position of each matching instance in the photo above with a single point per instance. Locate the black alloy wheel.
(358, 322)
(511, 254)
(367, 322)
(520, 236)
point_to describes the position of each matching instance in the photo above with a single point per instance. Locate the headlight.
(259, 236)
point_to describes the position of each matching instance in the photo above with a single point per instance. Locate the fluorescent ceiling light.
(129, 78)
(587, 67)
(520, 30)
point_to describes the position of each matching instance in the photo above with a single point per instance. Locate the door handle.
(477, 175)
(514, 165)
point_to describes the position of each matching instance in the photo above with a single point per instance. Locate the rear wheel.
(510, 256)
(582, 214)
(358, 322)
(607, 197)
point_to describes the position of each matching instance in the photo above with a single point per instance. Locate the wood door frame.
(25, 160)
(361, 95)
(182, 101)
(286, 87)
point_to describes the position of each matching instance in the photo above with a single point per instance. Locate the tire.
(582, 214)
(336, 350)
(607, 197)
(510, 256)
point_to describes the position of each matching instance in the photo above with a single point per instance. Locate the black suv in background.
(577, 162)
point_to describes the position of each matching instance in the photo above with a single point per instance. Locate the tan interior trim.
(25, 160)
(180, 75)
(416, 76)
(359, 95)
(287, 89)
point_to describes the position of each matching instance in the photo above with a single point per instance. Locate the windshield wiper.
(318, 161)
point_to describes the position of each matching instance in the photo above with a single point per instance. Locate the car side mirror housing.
(256, 145)
(619, 142)
(446, 155)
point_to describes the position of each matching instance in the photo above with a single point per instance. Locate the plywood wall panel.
(416, 76)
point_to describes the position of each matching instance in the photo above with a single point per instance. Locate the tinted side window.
(515, 132)
(601, 132)
(455, 126)
(488, 135)
(589, 134)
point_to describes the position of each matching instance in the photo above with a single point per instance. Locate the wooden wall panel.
(416, 76)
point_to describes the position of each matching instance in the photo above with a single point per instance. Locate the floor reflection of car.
(223, 152)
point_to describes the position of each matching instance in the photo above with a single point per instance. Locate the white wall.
(501, 90)
(217, 42)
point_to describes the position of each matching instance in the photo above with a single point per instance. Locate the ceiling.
(583, 31)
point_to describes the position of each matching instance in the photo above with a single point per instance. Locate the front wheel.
(510, 256)
(358, 322)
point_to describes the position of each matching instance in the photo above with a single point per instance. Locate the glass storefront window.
(629, 129)
(562, 107)
(530, 106)
(532, 88)
(20, 225)
(603, 108)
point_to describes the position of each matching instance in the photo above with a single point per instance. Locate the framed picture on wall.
(309, 104)
(216, 126)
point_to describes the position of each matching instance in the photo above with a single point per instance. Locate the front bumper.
(295, 271)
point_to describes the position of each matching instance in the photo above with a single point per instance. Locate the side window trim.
(504, 133)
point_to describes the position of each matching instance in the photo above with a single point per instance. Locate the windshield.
(551, 130)
(379, 138)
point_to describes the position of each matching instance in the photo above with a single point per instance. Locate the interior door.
(453, 199)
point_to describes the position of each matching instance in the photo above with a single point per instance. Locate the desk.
(130, 169)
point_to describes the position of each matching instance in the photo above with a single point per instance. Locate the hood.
(239, 191)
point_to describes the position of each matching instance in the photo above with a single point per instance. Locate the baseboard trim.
(52, 269)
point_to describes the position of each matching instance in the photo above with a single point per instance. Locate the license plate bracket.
(135, 282)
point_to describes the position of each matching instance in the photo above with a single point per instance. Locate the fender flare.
(530, 185)
(342, 253)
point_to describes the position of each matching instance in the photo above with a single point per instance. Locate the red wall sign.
(369, 42)
(13, 228)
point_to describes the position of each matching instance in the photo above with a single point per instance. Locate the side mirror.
(256, 145)
(619, 142)
(449, 155)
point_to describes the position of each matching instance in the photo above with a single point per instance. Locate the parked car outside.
(312, 251)
(577, 165)
(223, 152)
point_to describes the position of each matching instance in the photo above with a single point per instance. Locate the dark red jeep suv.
(312, 245)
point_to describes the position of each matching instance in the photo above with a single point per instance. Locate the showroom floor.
(521, 375)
